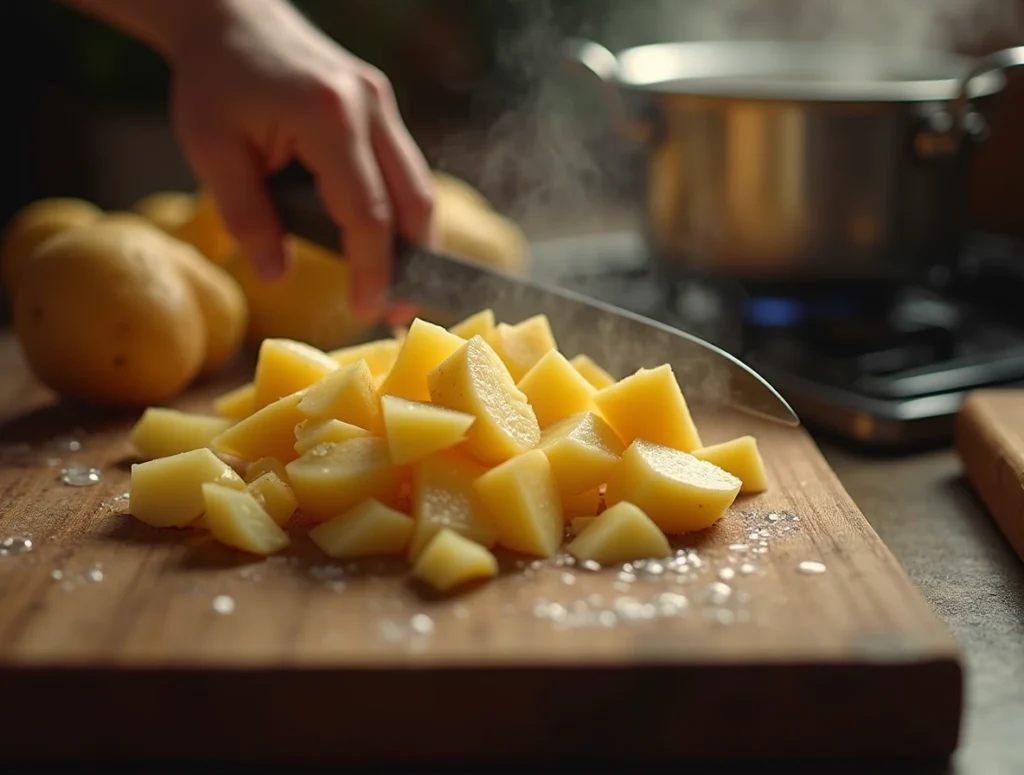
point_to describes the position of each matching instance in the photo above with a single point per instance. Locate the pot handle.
(598, 62)
(962, 121)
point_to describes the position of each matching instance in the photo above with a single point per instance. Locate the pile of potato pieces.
(443, 444)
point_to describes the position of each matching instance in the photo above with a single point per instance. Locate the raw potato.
(265, 465)
(591, 372)
(676, 490)
(582, 450)
(740, 458)
(313, 433)
(481, 324)
(162, 432)
(379, 355)
(556, 390)
(236, 404)
(204, 229)
(237, 520)
(474, 380)
(444, 497)
(367, 530)
(649, 405)
(622, 533)
(466, 228)
(168, 210)
(103, 314)
(285, 366)
(416, 430)
(33, 225)
(425, 347)
(274, 496)
(522, 345)
(451, 559)
(270, 432)
(348, 394)
(168, 491)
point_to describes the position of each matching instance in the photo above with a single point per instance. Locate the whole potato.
(33, 225)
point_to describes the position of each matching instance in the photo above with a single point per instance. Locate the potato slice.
(332, 478)
(265, 465)
(237, 520)
(368, 529)
(424, 348)
(474, 380)
(269, 432)
(379, 355)
(522, 345)
(521, 497)
(168, 491)
(649, 405)
(556, 390)
(275, 496)
(622, 533)
(676, 490)
(585, 504)
(348, 394)
(416, 429)
(741, 458)
(582, 450)
(443, 496)
(313, 433)
(591, 372)
(285, 366)
(481, 324)
(161, 432)
(236, 404)
(451, 559)
(579, 524)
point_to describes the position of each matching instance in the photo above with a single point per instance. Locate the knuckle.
(373, 213)
(378, 85)
(420, 200)
(322, 99)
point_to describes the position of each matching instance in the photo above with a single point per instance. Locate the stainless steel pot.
(800, 162)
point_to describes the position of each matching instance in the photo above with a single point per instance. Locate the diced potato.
(424, 348)
(556, 390)
(591, 372)
(285, 366)
(379, 355)
(474, 380)
(348, 394)
(313, 433)
(275, 496)
(649, 405)
(676, 490)
(741, 458)
(622, 533)
(265, 465)
(522, 345)
(332, 478)
(481, 324)
(269, 432)
(161, 432)
(416, 429)
(236, 404)
(579, 524)
(585, 504)
(444, 496)
(368, 529)
(451, 559)
(237, 520)
(582, 450)
(168, 491)
(521, 497)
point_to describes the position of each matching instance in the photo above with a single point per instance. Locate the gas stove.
(884, 370)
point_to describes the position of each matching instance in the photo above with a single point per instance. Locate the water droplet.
(726, 574)
(717, 593)
(590, 565)
(753, 536)
(15, 545)
(811, 567)
(607, 619)
(738, 547)
(765, 533)
(723, 616)
(748, 568)
(421, 624)
(654, 568)
(66, 444)
(56, 574)
(627, 567)
(773, 517)
(568, 579)
(80, 476)
(625, 577)
(94, 574)
(224, 605)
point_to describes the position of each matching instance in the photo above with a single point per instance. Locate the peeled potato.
(466, 229)
(33, 225)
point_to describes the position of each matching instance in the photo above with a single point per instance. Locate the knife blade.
(447, 289)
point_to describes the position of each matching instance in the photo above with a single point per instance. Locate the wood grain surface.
(111, 644)
(990, 442)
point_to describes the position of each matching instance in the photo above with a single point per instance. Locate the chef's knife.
(450, 288)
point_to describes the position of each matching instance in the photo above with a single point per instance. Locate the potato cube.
(236, 404)
(332, 478)
(415, 429)
(649, 405)
(285, 366)
(379, 355)
(521, 497)
(451, 559)
(582, 450)
(265, 465)
(585, 504)
(161, 432)
(348, 394)
(368, 529)
(237, 520)
(591, 372)
(424, 348)
(313, 433)
(275, 496)
(579, 524)
(481, 324)
(556, 390)
(522, 345)
(269, 432)
(443, 496)
(741, 458)
(474, 380)
(676, 490)
(168, 491)
(622, 533)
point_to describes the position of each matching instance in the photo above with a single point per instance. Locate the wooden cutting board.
(111, 641)
(990, 441)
